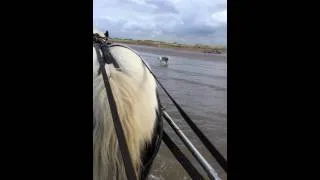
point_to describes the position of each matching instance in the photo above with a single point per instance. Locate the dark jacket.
(106, 34)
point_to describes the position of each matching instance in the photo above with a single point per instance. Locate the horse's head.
(134, 90)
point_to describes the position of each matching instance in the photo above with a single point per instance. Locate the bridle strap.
(107, 56)
(130, 172)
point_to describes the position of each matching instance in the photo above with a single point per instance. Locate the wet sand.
(179, 53)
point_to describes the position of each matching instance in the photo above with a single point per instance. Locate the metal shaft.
(206, 166)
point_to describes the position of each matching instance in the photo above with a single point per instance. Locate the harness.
(151, 150)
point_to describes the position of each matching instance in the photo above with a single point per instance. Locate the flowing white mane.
(134, 90)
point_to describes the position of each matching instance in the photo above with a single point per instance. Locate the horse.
(135, 92)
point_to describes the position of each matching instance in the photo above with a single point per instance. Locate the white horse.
(134, 91)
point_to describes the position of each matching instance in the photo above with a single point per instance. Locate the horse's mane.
(134, 90)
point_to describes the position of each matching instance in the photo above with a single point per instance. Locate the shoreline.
(172, 53)
(203, 49)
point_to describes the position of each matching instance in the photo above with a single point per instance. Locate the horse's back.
(134, 90)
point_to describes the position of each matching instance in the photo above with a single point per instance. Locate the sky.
(182, 21)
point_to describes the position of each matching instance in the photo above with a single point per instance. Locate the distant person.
(106, 34)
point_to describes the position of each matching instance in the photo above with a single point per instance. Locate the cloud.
(163, 6)
(187, 21)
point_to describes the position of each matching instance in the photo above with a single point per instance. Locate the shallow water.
(198, 82)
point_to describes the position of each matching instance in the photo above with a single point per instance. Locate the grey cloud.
(163, 20)
(163, 6)
(152, 6)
